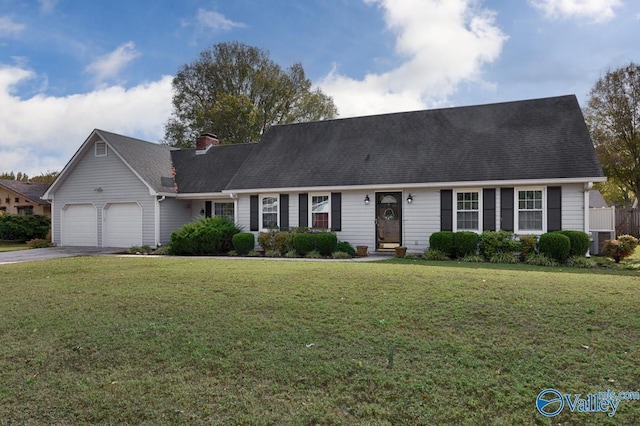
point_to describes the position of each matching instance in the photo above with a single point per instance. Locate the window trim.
(261, 212)
(455, 209)
(310, 204)
(214, 202)
(516, 210)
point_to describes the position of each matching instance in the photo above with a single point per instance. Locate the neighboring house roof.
(596, 200)
(523, 140)
(151, 161)
(29, 190)
(211, 171)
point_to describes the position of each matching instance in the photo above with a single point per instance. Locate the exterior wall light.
(366, 200)
(410, 199)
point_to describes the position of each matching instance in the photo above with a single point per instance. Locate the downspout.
(587, 188)
(159, 199)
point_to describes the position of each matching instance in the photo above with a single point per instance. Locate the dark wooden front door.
(388, 220)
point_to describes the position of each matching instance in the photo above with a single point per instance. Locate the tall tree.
(45, 177)
(613, 118)
(237, 92)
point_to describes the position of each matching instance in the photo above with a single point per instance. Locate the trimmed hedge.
(465, 243)
(24, 228)
(206, 237)
(303, 243)
(326, 243)
(243, 242)
(580, 242)
(555, 245)
(443, 242)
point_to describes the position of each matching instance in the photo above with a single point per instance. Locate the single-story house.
(23, 198)
(380, 181)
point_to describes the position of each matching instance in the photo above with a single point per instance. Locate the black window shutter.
(554, 208)
(284, 211)
(506, 209)
(303, 210)
(488, 209)
(254, 223)
(207, 209)
(336, 211)
(446, 210)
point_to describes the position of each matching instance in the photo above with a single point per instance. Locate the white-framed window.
(468, 211)
(320, 210)
(269, 211)
(530, 210)
(101, 149)
(224, 209)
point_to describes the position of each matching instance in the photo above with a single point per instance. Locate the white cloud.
(107, 67)
(42, 132)
(596, 10)
(442, 45)
(9, 27)
(212, 20)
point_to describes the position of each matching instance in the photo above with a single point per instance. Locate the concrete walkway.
(52, 253)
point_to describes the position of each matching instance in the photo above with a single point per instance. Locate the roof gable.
(533, 139)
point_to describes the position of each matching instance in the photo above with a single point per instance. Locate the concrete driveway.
(52, 253)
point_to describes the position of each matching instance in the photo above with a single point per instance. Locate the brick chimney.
(205, 141)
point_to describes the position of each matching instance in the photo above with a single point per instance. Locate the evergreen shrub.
(442, 241)
(580, 242)
(243, 243)
(555, 245)
(465, 243)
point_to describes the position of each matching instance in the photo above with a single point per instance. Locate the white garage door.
(79, 225)
(123, 225)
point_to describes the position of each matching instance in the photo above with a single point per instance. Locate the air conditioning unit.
(597, 240)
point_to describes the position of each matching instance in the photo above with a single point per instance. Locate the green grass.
(5, 246)
(107, 340)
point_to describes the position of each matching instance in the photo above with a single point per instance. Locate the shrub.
(24, 228)
(265, 240)
(472, 258)
(433, 254)
(539, 259)
(465, 243)
(581, 262)
(272, 253)
(341, 255)
(209, 236)
(326, 243)
(497, 242)
(39, 243)
(618, 249)
(504, 258)
(313, 254)
(303, 243)
(243, 242)
(527, 246)
(345, 247)
(254, 253)
(162, 251)
(443, 242)
(291, 254)
(282, 241)
(555, 245)
(580, 242)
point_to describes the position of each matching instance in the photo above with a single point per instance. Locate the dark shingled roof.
(211, 171)
(30, 190)
(531, 139)
(151, 161)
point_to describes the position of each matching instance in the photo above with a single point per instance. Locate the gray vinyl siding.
(421, 218)
(573, 207)
(358, 219)
(173, 215)
(118, 184)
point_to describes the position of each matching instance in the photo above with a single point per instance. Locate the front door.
(388, 220)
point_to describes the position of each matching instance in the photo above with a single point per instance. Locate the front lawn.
(8, 246)
(144, 340)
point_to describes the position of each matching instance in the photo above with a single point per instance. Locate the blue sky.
(69, 66)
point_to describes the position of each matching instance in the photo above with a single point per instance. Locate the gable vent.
(101, 149)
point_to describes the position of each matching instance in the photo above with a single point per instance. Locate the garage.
(79, 225)
(122, 225)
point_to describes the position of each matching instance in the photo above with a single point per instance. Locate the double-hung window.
(530, 210)
(224, 209)
(320, 211)
(468, 211)
(269, 206)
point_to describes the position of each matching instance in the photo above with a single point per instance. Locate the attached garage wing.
(122, 225)
(79, 225)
